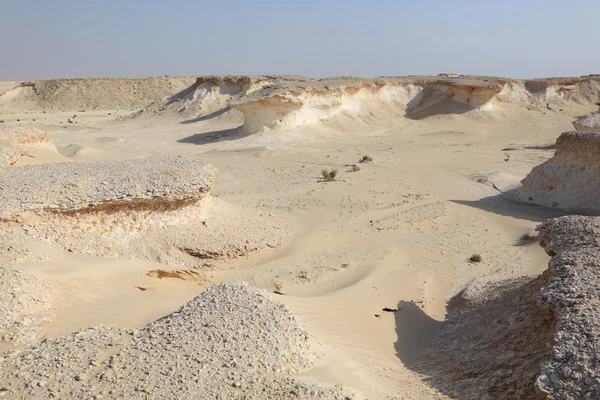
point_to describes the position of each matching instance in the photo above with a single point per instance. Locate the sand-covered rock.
(92, 93)
(68, 187)
(23, 135)
(155, 208)
(350, 102)
(232, 341)
(206, 96)
(588, 123)
(569, 180)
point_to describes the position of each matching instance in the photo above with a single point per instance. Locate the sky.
(42, 39)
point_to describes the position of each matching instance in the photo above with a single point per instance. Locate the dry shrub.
(476, 258)
(365, 159)
(329, 175)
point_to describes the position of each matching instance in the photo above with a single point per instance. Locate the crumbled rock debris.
(232, 341)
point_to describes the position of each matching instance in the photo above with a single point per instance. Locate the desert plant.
(329, 175)
(476, 258)
(365, 159)
(355, 168)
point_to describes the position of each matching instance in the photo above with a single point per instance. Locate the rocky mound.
(14, 141)
(156, 208)
(232, 341)
(93, 93)
(531, 338)
(69, 187)
(569, 180)
(588, 123)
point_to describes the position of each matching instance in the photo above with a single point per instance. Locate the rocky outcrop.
(76, 187)
(14, 141)
(285, 105)
(569, 180)
(572, 293)
(206, 96)
(155, 208)
(232, 341)
(588, 123)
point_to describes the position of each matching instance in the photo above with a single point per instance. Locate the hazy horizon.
(69, 39)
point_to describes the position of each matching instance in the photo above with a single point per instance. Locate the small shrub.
(355, 168)
(365, 159)
(329, 175)
(476, 258)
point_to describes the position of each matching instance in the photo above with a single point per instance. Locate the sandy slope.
(397, 234)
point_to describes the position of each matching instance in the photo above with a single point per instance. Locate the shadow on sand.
(206, 117)
(500, 205)
(214, 136)
(415, 329)
(489, 350)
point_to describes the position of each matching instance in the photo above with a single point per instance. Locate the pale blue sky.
(111, 38)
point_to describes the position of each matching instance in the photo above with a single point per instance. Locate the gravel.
(231, 342)
(573, 371)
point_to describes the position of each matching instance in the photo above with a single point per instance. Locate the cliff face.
(281, 106)
(569, 180)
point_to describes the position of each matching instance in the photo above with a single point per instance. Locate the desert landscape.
(284, 237)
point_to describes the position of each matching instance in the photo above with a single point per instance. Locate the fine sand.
(368, 262)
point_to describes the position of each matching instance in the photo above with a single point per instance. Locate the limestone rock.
(570, 180)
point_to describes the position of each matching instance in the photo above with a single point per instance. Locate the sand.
(396, 234)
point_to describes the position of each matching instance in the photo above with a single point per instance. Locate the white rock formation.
(570, 180)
